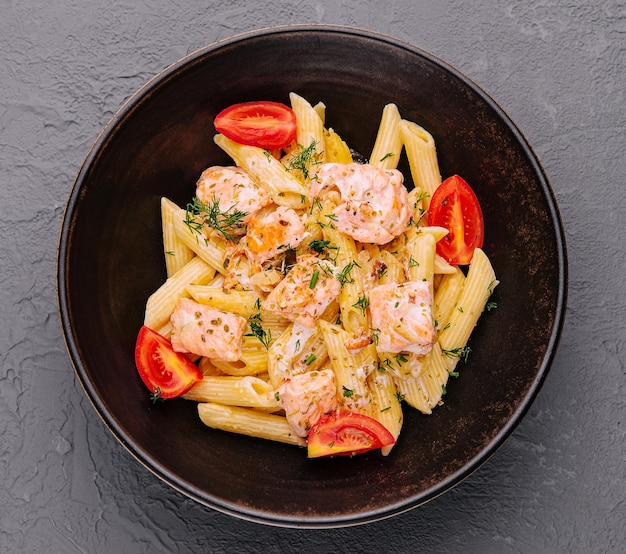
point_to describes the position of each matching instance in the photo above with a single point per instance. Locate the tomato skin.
(264, 124)
(346, 433)
(161, 368)
(454, 205)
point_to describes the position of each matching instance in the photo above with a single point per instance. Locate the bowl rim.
(278, 519)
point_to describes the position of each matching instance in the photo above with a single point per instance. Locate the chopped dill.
(362, 303)
(199, 214)
(304, 159)
(344, 275)
(256, 326)
(461, 353)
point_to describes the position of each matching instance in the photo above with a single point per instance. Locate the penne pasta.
(351, 371)
(478, 287)
(211, 250)
(177, 253)
(388, 144)
(386, 407)
(424, 392)
(422, 155)
(352, 300)
(364, 312)
(247, 391)
(288, 346)
(447, 296)
(420, 254)
(284, 188)
(240, 302)
(248, 422)
(309, 131)
(162, 302)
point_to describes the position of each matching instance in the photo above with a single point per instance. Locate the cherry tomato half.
(455, 207)
(346, 434)
(160, 367)
(268, 125)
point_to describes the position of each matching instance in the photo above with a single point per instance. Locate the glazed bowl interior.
(111, 260)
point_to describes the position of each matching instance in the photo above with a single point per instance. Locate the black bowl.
(158, 143)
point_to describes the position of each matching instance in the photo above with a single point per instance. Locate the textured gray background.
(557, 485)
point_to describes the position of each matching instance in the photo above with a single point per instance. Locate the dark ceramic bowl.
(158, 143)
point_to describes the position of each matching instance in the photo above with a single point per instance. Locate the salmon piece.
(374, 204)
(273, 231)
(306, 397)
(233, 188)
(305, 292)
(403, 318)
(206, 331)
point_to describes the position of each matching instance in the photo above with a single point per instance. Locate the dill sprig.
(362, 303)
(156, 395)
(226, 222)
(303, 159)
(462, 353)
(344, 275)
(324, 248)
(258, 331)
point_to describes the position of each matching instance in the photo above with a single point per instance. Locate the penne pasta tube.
(243, 303)
(393, 272)
(253, 360)
(447, 296)
(442, 267)
(284, 350)
(247, 391)
(425, 391)
(309, 131)
(177, 253)
(284, 188)
(320, 110)
(351, 371)
(386, 407)
(162, 302)
(246, 421)
(211, 250)
(313, 356)
(352, 300)
(422, 155)
(337, 151)
(420, 254)
(388, 144)
(478, 287)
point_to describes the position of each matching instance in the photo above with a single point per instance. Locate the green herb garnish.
(303, 159)
(200, 214)
(256, 326)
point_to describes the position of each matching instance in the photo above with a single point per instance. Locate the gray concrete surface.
(557, 485)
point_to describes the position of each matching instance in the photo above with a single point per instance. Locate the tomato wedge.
(346, 434)
(162, 369)
(454, 206)
(268, 125)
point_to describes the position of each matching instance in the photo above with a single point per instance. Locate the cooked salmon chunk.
(305, 292)
(233, 188)
(272, 231)
(374, 205)
(403, 318)
(206, 331)
(306, 397)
